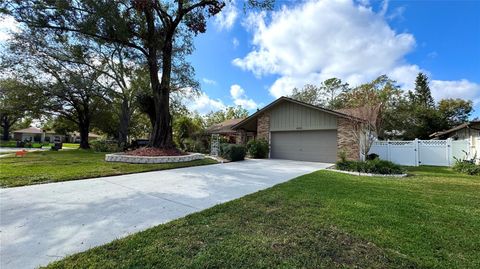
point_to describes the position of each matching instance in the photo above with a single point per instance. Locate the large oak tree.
(147, 26)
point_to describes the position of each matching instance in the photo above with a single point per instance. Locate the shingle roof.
(223, 127)
(29, 130)
(456, 128)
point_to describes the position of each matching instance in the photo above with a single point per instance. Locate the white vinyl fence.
(421, 152)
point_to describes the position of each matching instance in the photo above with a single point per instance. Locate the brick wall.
(345, 139)
(263, 126)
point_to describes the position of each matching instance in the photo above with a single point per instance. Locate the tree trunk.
(124, 124)
(84, 130)
(6, 128)
(84, 124)
(161, 136)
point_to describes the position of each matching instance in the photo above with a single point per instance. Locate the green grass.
(51, 166)
(321, 220)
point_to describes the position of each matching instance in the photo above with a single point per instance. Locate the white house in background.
(75, 137)
(34, 134)
(469, 131)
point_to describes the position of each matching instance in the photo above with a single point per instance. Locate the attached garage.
(300, 131)
(313, 146)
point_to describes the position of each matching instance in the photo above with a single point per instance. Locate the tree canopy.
(149, 27)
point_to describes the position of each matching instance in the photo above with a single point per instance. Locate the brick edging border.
(120, 157)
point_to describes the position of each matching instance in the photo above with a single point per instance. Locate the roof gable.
(287, 99)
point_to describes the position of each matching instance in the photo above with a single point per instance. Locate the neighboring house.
(75, 137)
(469, 131)
(300, 131)
(34, 134)
(225, 130)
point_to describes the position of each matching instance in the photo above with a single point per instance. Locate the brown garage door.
(316, 146)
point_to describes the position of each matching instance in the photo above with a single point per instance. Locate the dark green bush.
(101, 145)
(258, 148)
(233, 152)
(466, 167)
(375, 166)
(193, 145)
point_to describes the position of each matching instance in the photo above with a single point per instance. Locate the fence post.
(388, 150)
(449, 151)
(417, 152)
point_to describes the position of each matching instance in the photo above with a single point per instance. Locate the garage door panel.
(319, 146)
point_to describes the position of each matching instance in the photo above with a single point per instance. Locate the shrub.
(375, 166)
(466, 167)
(101, 145)
(233, 152)
(192, 145)
(258, 148)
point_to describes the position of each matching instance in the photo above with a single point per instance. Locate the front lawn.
(51, 166)
(321, 220)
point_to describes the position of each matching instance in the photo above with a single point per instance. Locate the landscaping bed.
(370, 166)
(50, 166)
(320, 220)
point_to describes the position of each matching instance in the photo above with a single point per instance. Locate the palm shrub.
(258, 148)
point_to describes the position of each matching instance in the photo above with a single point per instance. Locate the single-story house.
(225, 130)
(469, 131)
(75, 137)
(299, 131)
(34, 134)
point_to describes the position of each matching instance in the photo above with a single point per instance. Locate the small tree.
(365, 126)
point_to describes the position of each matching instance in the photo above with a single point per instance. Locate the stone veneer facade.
(240, 137)
(345, 139)
(263, 126)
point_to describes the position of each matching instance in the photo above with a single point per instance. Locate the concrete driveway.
(43, 223)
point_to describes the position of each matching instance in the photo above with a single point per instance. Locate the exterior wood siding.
(290, 116)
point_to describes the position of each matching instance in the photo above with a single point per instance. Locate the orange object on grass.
(21, 153)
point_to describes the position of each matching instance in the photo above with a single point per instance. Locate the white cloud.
(236, 91)
(227, 17)
(209, 81)
(348, 40)
(235, 42)
(202, 103)
(455, 89)
(7, 25)
(405, 75)
(240, 98)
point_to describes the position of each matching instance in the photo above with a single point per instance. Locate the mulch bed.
(155, 152)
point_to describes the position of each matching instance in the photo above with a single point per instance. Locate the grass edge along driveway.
(72, 164)
(320, 220)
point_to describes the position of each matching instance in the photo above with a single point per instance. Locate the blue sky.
(252, 58)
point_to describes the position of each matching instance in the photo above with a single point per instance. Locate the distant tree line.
(401, 114)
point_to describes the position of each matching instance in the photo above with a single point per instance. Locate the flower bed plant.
(467, 167)
(375, 166)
